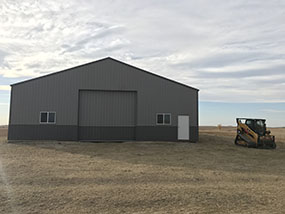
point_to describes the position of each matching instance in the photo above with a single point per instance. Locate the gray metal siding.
(107, 108)
(57, 132)
(118, 133)
(59, 93)
(42, 132)
(107, 115)
(30, 100)
(164, 133)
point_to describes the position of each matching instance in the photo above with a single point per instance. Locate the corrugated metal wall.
(107, 115)
(59, 93)
(107, 108)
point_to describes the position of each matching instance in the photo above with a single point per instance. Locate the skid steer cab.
(253, 133)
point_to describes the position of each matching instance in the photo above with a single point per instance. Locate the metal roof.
(107, 58)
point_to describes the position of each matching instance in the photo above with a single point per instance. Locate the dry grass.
(3, 132)
(212, 176)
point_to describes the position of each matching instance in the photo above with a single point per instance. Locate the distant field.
(212, 176)
(231, 131)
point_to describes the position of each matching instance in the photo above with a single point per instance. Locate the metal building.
(103, 100)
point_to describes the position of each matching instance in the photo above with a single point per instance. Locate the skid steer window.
(260, 123)
(248, 122)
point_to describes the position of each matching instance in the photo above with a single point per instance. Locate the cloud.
(2, 56)
(277, 111)
(233, 51)
(4, 88)
(244, 73)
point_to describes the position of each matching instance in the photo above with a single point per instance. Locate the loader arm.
(246, 133)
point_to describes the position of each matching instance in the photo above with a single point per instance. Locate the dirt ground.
(211, 176)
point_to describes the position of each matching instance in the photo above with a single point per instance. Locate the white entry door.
(183, 127)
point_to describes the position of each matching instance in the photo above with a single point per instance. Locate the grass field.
(212, 176)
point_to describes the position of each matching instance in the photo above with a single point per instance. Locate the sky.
(233, 51)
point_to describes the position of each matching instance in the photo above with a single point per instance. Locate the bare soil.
(211, 176)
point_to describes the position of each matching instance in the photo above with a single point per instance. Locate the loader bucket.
(267, 143)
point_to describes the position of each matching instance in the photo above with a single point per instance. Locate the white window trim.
(48, 112)
(163, 123)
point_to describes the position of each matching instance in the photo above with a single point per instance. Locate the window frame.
(48, 112)
(163, 119)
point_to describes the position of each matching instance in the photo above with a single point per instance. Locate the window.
(167, 119)
(51, 117)
(260, 123)
(47, 117)
(44, 117)
(248, 122)
(163, 119)
(159, 119)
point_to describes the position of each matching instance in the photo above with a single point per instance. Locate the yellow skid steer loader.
(253, 133)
